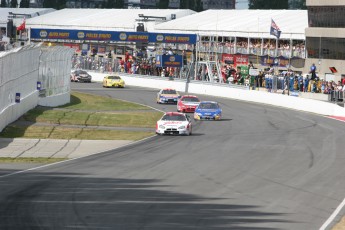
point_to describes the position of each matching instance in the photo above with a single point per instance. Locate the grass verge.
(85, 110)
(42, 160)
(50, 132)
(83, 101)
(340, 225)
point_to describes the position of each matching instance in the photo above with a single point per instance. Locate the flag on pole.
(22, 26)
(275, 29)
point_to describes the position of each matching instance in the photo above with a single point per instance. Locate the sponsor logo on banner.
(235, 59)
(160, 38)
(43, 33)
(81, 35)
(172, 58)
(123, 36)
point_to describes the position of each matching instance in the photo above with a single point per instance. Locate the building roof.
(34, 12)
(101, 19)
(241, 23)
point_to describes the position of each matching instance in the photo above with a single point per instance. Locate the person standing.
(313, 72)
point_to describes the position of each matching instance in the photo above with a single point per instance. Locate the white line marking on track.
(332, 217)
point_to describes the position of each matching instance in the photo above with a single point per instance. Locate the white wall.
(16, 110)
(296, 103)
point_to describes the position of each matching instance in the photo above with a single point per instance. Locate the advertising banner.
(169, 61)
(277, 61)
(111, 36)
(235, 59)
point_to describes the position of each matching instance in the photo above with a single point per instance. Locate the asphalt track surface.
(260, 167)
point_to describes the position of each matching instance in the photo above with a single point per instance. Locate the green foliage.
(49, 4)
(264, 4)
(117, 4)
(195, 5)
(13, 4)
(198, 6)
(24, 4)
(110, 4)
(300, 4)
(163, 4)
(56, 4)
(3, 3)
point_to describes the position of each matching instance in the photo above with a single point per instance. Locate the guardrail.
(337, 96)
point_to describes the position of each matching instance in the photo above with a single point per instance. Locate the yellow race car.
(113, 81)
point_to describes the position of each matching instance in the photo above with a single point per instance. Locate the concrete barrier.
(225, 91)
(16, 110)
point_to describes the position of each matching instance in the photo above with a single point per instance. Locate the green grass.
(83, 101)
(85, 109)
(42, 160)
(50, 132)
(93, 118)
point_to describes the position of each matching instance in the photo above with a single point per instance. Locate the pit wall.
(227, 91)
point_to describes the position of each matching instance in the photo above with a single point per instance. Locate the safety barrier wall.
(226, 91)
(31, 76)
(54, 75)
(18, 76)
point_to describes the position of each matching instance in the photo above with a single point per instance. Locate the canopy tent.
(103, 19)
(241, 23)
(33, 12)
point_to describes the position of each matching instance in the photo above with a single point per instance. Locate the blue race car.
(168, 96)
(208, 110)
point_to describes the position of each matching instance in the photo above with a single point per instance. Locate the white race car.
(174, 123)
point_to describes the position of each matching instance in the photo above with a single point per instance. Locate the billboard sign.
(169, 61)
(111, 36)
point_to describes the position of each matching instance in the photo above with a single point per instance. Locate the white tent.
(103, 19)
(33, 12)
(241, 23)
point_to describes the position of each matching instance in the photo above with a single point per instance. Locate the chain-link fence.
(23, 70)
(55, 70)
(18, 82)
(18, 74)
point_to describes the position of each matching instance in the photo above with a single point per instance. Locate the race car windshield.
(169, 91)
(190, 99)
(82, 72)
(114, 77)
(208, 106)
(173, 118)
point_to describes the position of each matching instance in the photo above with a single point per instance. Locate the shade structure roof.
(102, 19)
(241, 23)
(33, 12)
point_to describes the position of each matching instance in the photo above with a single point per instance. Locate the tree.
(110, 4)
(13, 4)
(163, 4)
(184, 4)
(300, 4)
(56, 4)
(119, 4)
(49, 4)
(198, 6)
(3, 3)
(24, 4)
(195, 5)
(264, 4)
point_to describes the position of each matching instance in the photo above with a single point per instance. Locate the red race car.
(187, 103)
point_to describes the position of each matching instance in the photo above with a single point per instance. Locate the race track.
(260, 167)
